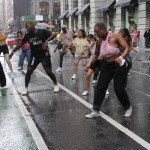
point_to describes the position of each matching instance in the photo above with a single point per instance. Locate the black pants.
(110, 71)
(96, 67)
(33, 63)
(2, 76)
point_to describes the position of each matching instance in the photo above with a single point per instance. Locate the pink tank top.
(106, 50)
(26, 46)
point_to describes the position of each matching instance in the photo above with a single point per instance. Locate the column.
(70, 8)
(62, 9)
(95, 15)
(80, 3)
(119, 20)
(142, 22)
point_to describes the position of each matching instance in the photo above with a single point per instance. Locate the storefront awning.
(141, 1)
(82, 9)
(74, 10)
(63, 15)
(105, 6)
(122, 3)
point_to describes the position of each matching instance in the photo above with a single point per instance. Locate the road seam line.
(39, 141)
(117, 125)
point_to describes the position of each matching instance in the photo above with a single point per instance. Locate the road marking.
(140, 73)
(30, 123)
(126, 131)
(143, 93)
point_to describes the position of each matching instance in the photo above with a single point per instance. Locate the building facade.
(2, 15)
(21, 8)
(9, 13)
(116, 14)
(41, 7)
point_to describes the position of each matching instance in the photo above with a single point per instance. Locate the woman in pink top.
(113, 67)
(25, 52)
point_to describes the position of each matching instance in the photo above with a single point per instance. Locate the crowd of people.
(105, 56)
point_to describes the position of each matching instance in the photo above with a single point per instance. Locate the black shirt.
(36, 41)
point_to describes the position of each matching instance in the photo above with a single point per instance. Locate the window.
(86, 1)
(44, 8)
(75, 3)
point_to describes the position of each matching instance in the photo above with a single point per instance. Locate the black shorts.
(97, 64)
(45, 61)
(4, 49)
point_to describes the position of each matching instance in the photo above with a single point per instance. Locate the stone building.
(116, 14)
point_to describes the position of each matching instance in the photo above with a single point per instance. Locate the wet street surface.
(14, 133)
(60, 119)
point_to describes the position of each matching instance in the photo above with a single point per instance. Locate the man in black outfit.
(2, 77)
(3, 86)
(38, 39)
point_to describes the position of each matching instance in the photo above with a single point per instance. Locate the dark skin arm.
(121, 41)
(96, 55)
(19, 45)
(45, 44)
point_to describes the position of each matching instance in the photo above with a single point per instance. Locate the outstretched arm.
(45, 44)
(19, 45)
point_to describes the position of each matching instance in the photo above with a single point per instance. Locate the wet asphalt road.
(60, 117)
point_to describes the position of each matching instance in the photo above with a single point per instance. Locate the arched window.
(44, 8)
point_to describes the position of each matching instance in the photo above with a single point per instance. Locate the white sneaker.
(107, 92)
(56, 88)
(25, 92)
(20, 68)
(74, 76)
(94, 81)
(85, 93)
(59, 69)
(93, 114)
(128, 112)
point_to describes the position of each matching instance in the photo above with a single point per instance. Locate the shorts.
(4, 49)
(72, 50)
(97, 64)
(45, 61)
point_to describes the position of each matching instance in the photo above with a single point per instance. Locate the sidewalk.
(14, 133)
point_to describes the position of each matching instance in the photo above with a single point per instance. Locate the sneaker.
(107, 92)
(74, 76)
(93, 114)
(59, 69)
(94, 81)
(25, 92)
(56, 88)
(128, 112)
(20, 68)
(85, 93)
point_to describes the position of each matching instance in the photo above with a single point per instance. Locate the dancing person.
(38, 40)
(126, 35)
(5, 51)
(66, 38)
(81, 51)
(25, 51)
(113, 67)
(2, 77)
(95, 68)
(3, 86)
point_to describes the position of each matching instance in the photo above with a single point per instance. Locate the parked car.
(11, 40)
